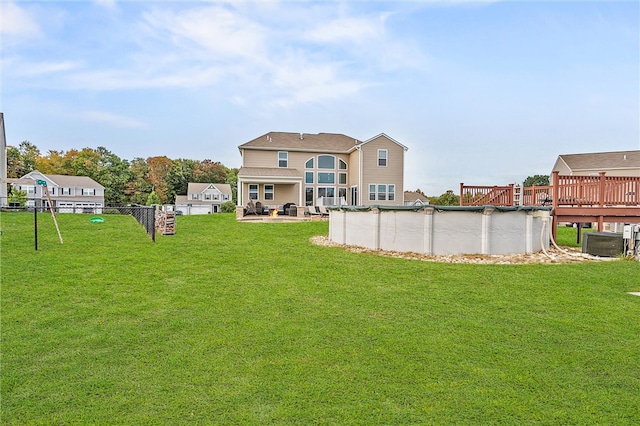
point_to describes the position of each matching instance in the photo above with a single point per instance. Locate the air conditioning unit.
(603, 244)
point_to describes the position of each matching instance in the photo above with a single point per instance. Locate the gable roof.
(197, 187)
(320, 142)
(387, 137)
(67, 181)
(414, 196)
(617, 160)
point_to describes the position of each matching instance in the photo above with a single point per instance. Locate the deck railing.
(486, 195)
(578, 191)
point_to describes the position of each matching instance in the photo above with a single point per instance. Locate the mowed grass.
(249, 323)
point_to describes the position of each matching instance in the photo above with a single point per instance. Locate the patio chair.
(251, 208)
(259, 208)
(313, 211)
(323, 211)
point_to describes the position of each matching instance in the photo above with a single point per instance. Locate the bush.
(228, 207)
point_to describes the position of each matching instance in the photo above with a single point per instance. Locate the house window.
(308, 196)
(342, 165)
(327, 192)
(253, 192)
(283, 159)
(326, 177)
(207, 196)
(372, 192)
(194, 196)
(309, 163)
(268, 192)
(88, 191)
(326, 162)
(29, 189)
(53, 190)
(216, 197)
(308, 177)
(382, 157)
(382, 192)
(65, 191)
(391, 194)
(342, 178)
(225, 197)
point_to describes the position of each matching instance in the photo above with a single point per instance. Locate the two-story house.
(68, 194)
(203, 198)
(321, 169)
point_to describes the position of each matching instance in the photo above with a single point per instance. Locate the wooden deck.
(578, 199)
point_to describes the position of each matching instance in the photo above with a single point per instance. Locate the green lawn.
(247, 323)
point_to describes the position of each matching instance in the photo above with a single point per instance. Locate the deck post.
(601, 192)
(461, 187)
(513, 195)
(555, 194)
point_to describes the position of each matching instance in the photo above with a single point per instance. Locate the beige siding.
(283, 193)
(624, 172)
(374, 174)
(253, 158)
(561, 167)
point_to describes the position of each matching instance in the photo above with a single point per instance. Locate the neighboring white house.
(203, 198)
(68, 194)
(413, 198)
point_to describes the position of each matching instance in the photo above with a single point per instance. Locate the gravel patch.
(553, 256)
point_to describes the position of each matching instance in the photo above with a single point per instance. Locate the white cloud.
(17, 22)
(216, 29)
(137, 79)
(348, 30)
(107, 4)
(23, 69)
(113, 119)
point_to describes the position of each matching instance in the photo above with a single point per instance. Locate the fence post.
(461, 189)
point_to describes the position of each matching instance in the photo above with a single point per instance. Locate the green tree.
(153, 199)
(137, 189)
(537, 180)
(449, 198)
(208, 171)
(113, 173)
(228, 207)
(181, 175)
(159, 169)
(232, 180)
(22, 160)
(55, 163)
(17, 196)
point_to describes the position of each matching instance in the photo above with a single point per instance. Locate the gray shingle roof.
(329, 142)
(197, 187)
(603, 160)
(268, 172)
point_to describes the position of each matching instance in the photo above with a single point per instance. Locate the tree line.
(136, 181)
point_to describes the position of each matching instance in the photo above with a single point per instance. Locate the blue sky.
(481, 92)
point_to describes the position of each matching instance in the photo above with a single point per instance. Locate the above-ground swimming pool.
(442, 230)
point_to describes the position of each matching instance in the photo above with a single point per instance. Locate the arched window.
(309, 163)
(326, 162)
